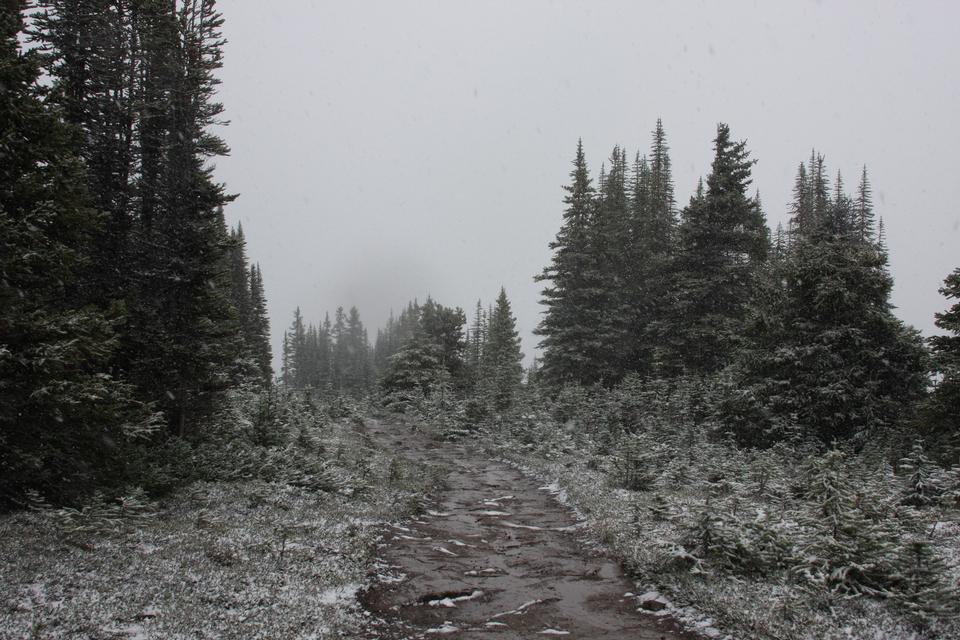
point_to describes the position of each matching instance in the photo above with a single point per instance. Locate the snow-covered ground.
(633, 525)
(247, 559)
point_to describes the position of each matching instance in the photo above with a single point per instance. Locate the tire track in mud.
(497, 557)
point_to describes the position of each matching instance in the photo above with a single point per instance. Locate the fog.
(385, 151)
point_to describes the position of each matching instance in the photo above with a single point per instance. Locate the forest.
(735, 412)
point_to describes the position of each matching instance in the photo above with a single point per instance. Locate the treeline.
(330, 358)
(774, 429)
(797, 323)
(127, 307)
(424, 351)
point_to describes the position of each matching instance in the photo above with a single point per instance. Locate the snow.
(209, 565)
(452, 602)
(446, 551)
(519, 610)
(716, 604)
(339, 596)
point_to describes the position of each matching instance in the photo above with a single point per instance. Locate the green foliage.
(102, 517)
(831, 525)
(608, 281)
(723, 241)
(827, 358)
(66, 423)
(499, 368)
(429, 357)
(940, 417)
(571, 317)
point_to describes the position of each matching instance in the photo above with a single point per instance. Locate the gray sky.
(387, 150)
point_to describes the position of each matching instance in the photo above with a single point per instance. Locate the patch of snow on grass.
(339, 596)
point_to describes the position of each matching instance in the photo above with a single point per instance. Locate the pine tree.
(297, 368)
(427, 350)
(941, 414)
(258, 337)
(65, 423)
(92, 54)
(501, 362)
(138, 78)
(571, 350)
(650, 257)
(723, 241)
(240, 280)
(338, 360)
(476, 338)
(443, 326)
(357, 373)
(827, 359)
(610, 240)
(864, 209)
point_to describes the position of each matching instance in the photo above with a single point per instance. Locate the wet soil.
(496, 556)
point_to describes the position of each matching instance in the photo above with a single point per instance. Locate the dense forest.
(129, 309)
(746, 394)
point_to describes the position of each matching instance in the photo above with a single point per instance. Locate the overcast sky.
(389, 150)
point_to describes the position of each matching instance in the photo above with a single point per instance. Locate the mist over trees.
(747, 394)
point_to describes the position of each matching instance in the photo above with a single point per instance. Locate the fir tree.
(340, 361)
(501, 362)
(723, 241)
(941, 413)
(828, 359)
(65, 423)
(258, 337)
(571, 350)
(651, 253)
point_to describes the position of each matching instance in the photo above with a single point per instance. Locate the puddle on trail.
(496, 557)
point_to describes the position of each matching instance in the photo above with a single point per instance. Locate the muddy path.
(496, 557)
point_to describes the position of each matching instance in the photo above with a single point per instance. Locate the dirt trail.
(497, 557)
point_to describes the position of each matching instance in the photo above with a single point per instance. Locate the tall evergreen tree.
(476, 337)
(65, 422)
(828, 360)
(501, 361)
(941, 415)
(357, 370)
(723, 240)
(571, 349)
(259, 331)
(138, 80)
(92, 52)
(340, 361)
(609, 236)
(651, 252)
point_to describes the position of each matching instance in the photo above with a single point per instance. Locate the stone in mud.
(652, 601)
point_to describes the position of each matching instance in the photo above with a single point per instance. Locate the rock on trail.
(497, 557)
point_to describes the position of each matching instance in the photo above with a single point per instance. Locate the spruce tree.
(92, 57)
(610, 240)
(723, 239)
(827, 358)
(501, 362)
(258, 337)
(340, 361)
(357, 372)
(571, 349)
(941, 414)
(650, 258)
(66, 424)
(297, 369)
